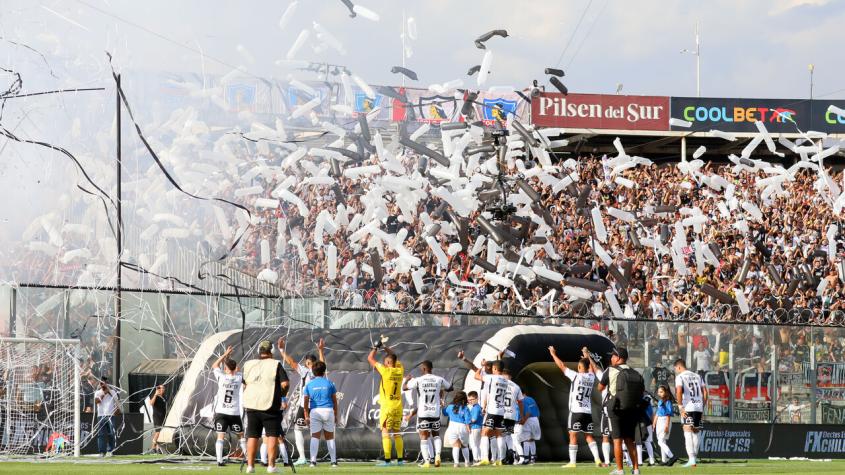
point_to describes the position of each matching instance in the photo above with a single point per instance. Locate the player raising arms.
(604, 426)
(227, 403)
(493, 404)
(305, 375)
(430, 390)
(692, 396)
(580, 407)
(390, 402)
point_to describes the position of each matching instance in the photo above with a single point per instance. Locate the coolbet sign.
(739, 115)
(596, 111)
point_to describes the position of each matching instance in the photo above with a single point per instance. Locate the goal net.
(39, 397)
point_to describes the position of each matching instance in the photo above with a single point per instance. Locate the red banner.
(597, 111)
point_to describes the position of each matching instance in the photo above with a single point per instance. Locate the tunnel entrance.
(550, 388)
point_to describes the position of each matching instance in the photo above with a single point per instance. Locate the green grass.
(123, 466)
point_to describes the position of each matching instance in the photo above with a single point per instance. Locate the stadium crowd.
(793, 231)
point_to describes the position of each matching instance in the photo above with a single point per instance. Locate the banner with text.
(597, 111)
(723, 441)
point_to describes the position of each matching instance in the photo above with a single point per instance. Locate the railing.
(753, 370)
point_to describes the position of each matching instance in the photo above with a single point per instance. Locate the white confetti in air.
(366, 13)
(483, 73)
(679, 123)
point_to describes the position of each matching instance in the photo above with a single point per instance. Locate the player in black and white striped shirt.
(580, 407)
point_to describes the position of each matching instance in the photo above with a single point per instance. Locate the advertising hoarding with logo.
(597, 111)
(739, 115)
(743, 440)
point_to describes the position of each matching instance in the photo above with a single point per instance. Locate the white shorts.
(322, 419)
(457, 433)
(528, 431)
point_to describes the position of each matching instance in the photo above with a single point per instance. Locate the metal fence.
(754, 372)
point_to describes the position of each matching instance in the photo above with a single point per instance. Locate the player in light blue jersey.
(476, 418)
(528, 433)
(457, 434)
(321, 411)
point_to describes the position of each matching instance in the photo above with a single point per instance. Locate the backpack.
(630, 388)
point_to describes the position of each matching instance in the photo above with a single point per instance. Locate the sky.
(753, 48)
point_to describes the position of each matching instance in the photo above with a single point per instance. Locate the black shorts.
(605, 424)
(624, 424)
(428, 423)
(580, 422)
(509, 425)
(224, 422)
(492, 421)
(269, 421)
(299, 423)
(693, 419)
(158, 422)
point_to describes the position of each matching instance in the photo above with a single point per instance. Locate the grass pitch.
(130, 466)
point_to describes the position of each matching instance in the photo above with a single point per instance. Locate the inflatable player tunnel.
(188, 423)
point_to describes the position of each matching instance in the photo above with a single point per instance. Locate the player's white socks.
(430, 443)
(465, 451)
(605, 448)
(573, 453)
(315, 446)
(284, 451)
(695, 440)
(299, 437)
(503, 448)
(688, 442)
(332, 450)
(594, 449)
(425, 451)
(218, 449)
(508, 441)
(456, 454)
(243, 445)
(494, 449)
(517, 447)
(639, 453)
(263, 453)
(532, 450)
(438, 446)
(484, 449)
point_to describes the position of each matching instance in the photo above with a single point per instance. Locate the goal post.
(40, 397)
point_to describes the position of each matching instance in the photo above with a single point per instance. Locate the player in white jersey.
(580, 407)
(301, 428)
(604, 425)
(429, 389)
(513, 413)
(493, 394)
(227, 403)
(692, 397)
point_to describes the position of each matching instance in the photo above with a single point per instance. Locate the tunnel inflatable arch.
(188, 422)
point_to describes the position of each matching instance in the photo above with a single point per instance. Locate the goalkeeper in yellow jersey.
(390, 401)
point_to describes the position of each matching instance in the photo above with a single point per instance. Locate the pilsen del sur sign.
(597, 111)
